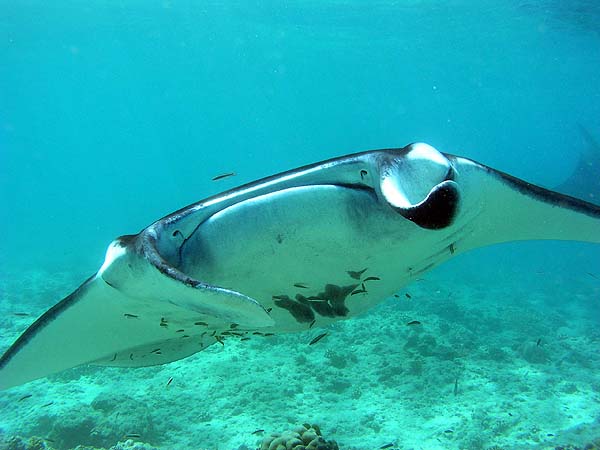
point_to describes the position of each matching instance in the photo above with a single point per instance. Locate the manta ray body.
(286, 253)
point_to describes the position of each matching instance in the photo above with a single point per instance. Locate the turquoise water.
(113, 114)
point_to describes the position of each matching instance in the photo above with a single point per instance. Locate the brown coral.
(305, 437)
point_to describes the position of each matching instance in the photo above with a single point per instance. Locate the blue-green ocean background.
(115, 113)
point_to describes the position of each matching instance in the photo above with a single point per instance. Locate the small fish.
(456, 387)
(280, 297)
(21, 314)
(593, 276)
(363, 174)
(301, 285)
(130, 316)
(269, 310)
(396, 296)
(132, 436)
(245, 339)
(317, 339)
(114, 357)
(233, 326)
(25, 397)
(181, 330)
(359, 291)
(169, 382)
(220, 340)
(414, 322)
(156, 350)
(257, 333)
(52, 441)
(204, 324)
(316, 299)
(312, 323)
(258, 431)
(131, 356)
(452, 249)
(223, 175)
(372, 279)
(269, 334)
(391, 444)
(550, 435)
(47, 404)
(448, 431)
(408, 296)
(539, 341)
(356, 274)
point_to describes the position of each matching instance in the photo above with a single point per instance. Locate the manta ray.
(297, 250)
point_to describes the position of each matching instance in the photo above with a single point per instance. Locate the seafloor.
(505, 357)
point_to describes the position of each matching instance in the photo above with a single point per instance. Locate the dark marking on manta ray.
(269, 334)
(131, 356)
(356, 274)
(317, 338)
(300, 311)
(223, 175)
(220, 340)
(452, 248)
(268, 310)
(233, 326)
(178, 232)
(114, 357)
(245, 339)
(363, 174)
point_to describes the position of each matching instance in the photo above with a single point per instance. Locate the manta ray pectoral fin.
(128, 314)
(503, 208)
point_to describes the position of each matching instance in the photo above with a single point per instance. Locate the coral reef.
(305, 437)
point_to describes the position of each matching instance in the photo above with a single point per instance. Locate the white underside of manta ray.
(296, 250)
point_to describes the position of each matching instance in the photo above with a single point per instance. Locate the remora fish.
(398, 212)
